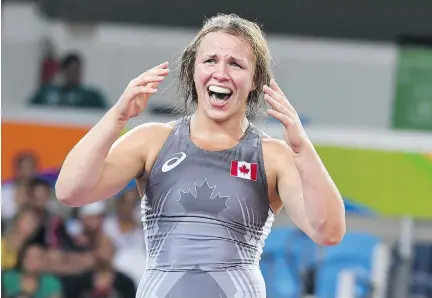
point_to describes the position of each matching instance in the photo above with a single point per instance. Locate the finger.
(276, 88)
(148, 80)
(154, 85)
(155, 72)
(159, 71)
(280, 116)
(149, 73)
(162, 65)
(142, 90)
(273, 94)
(280, 98)
(276, 105)
(142, 81)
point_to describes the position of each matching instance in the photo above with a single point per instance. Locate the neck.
(233, 127)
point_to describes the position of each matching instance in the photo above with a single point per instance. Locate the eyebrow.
(230, 57)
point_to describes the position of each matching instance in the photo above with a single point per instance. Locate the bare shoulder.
(171, 123)
(151, 137)
(143, 140)
(275, 151)
(278, 157)
(151, 130)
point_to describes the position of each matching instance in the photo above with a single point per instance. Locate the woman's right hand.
(135, 97)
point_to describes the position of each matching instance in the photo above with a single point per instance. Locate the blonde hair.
(246, 30)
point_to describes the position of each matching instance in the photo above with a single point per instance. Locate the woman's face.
(34, 259)
(223, 76)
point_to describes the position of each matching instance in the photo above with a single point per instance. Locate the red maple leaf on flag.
(243, 169)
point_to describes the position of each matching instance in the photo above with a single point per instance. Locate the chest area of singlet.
(187, 182)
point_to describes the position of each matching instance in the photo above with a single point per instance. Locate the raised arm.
(308, 194)
(102, 164)
(306, 189)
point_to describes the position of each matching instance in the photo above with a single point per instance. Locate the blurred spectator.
(39, 197)
(125, 231)
(20, 232)
(85, 231)
(70, 92)
(34, 224)
(123, 228)
(30, 279)
(50, 65)
(132, 261)
(103, 281)
(14, 194)
(81, 237)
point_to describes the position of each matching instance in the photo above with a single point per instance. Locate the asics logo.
(173, 162)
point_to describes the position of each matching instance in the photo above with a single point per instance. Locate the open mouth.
(219, 96)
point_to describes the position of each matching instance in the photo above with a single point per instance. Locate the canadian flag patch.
(244, 170)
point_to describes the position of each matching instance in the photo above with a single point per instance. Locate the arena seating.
(290, 257)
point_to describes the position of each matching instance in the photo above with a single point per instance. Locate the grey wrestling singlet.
(206, 215)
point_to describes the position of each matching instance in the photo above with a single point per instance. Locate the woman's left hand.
(282, 110)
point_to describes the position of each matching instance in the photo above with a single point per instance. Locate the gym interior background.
(359, 73)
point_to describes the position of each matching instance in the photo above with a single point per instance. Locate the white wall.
(331, 82)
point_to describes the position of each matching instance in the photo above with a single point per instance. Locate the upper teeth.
(218, 89)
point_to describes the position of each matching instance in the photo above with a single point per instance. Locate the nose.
(221, 73)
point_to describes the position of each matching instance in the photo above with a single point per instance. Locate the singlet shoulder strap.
(177, 128)
(255, 131)
(182, 126)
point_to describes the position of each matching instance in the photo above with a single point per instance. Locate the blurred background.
(359, 74)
